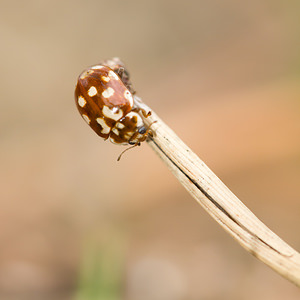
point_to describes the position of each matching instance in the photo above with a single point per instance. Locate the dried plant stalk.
(213, 195)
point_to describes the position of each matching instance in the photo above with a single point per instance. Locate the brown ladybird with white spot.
(106, 103)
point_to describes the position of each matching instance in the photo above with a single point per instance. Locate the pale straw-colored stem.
(225, 208)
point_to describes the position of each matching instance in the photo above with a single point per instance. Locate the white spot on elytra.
(86, 118)
(105, 127)
(120, 125)
(128, 135)
(115, 131)
(92, 91)
(128, 96)
(86, 73)
(81, 101)
(139, 122)
(114, 75)
(114, 113)
(117, 143)
(97, 67)
(105, 78)
(108, 92)
(137, 138)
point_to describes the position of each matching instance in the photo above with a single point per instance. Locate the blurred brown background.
(75, 224)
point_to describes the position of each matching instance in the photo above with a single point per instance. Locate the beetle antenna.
(126, 150)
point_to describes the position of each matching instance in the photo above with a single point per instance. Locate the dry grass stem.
(213, 195)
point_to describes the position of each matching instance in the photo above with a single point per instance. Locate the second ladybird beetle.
(106, 103)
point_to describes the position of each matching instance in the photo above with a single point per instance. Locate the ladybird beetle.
(104, 99)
